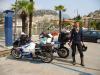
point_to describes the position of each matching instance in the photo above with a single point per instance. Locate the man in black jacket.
(77, 41)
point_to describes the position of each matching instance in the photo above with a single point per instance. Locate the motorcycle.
(62, 51)
(59, 43)
(57, 46)
(32, 50)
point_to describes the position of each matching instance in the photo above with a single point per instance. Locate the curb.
(5, 47)
(5, 51)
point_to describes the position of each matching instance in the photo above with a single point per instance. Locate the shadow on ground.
(66, 60)
(60, 62)
(35, 61)
(69, 63)
(80, 72)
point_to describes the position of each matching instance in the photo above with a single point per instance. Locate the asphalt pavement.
(59, 66)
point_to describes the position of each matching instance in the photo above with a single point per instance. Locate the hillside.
(44, 12)
(95, 14)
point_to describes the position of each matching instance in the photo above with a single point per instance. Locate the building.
(93, 16)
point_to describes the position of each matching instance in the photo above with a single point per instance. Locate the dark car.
(91, 36)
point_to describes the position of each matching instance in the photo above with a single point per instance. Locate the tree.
(65, 24)
(25, 7)
(60, 8)
(77, 18)
(98, 26)
(23, 16)
(93, 24)
(81, 24)
(30, 17)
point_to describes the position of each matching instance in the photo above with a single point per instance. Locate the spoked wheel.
(47, 57)
(63, 52)
(16, 54)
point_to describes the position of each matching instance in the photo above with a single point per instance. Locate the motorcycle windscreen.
(30, 47)
(49, 40)
(43, 40)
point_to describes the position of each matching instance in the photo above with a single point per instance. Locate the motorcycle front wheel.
(16, 54)
(63, 52)
(47, 57)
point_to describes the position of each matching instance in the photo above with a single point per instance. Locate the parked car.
(91, 36)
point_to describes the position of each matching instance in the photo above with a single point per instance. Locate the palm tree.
(60, 8)
(25, 7)
(30, 18)
(93, 24)
(77, 18)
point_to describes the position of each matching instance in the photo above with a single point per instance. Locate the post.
(60, 26)
(8, 28)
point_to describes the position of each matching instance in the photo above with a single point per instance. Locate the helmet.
(22, 33)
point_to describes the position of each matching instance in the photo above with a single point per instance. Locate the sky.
(83, 7)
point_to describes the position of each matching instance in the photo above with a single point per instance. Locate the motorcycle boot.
(74, 61)
(82, 61)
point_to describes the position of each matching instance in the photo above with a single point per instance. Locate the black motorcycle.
(62, 51)
(59, 47)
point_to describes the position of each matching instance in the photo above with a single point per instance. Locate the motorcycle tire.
(63, 52)
(16, 54)
(47, 57)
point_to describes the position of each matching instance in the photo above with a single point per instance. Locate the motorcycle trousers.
(79, 47)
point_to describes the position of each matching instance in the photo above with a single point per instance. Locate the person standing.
(76, 40)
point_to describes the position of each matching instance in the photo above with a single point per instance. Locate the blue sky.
(82, 6)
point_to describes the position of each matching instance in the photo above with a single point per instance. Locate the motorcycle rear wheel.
(63, 52)
(47, 57)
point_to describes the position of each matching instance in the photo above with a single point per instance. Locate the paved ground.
(59, 66)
